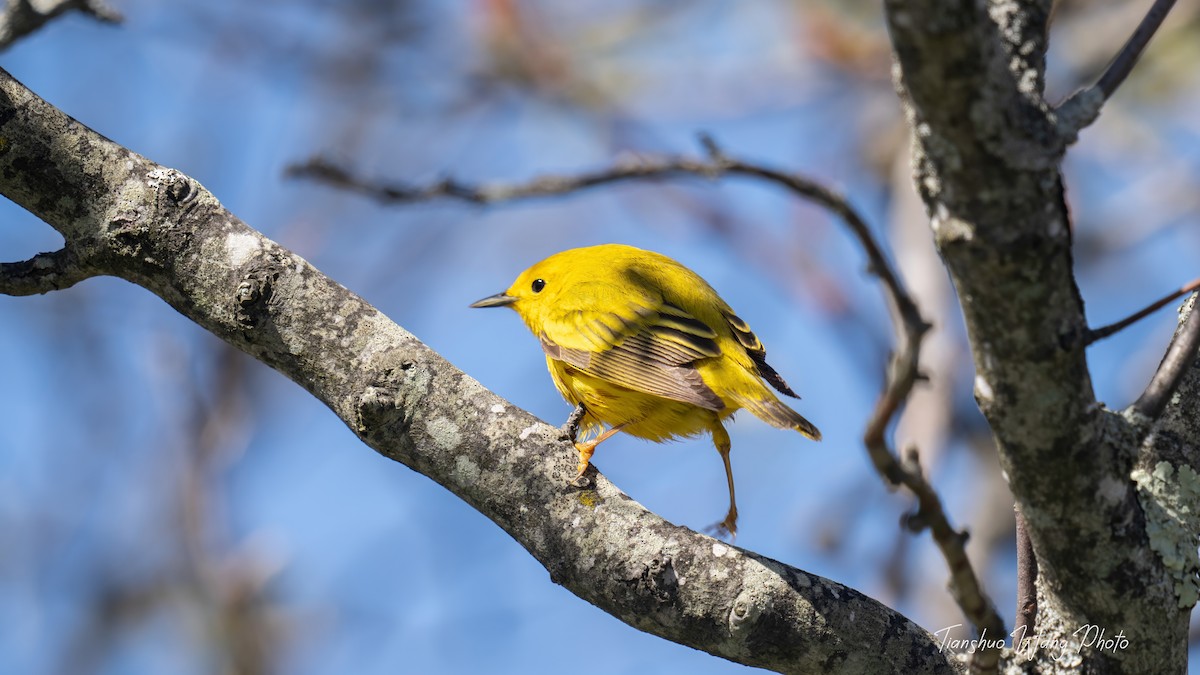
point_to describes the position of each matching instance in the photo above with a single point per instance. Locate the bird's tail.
(770, 410)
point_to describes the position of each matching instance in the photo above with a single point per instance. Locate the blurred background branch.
(22, 17)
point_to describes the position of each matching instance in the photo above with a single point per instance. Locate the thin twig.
(1105, 331)
(717, 165)
(1180, 354)
(1027, 571)
(903, 372)
(1083, 107)
(1123, 64)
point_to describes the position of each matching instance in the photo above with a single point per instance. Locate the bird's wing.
(642, 344)
(754, 348)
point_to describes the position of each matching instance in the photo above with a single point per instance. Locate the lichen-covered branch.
(986, 162)
(126, 216)
(1167, 472)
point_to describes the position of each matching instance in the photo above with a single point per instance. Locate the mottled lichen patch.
(465, 471)
(240, 247)
(443, 432)
(1170, 500)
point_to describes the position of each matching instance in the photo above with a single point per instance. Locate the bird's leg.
(721, 440)
(572, 425)
(586, 450)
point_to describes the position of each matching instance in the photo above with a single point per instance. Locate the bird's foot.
(581, 480)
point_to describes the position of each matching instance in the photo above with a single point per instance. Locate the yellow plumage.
(647, 347)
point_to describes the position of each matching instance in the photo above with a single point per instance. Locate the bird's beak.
(497, 300)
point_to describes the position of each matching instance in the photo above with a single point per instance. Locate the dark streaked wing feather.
(742, 332)
(670, 316)
(773, 378)
(758, 353)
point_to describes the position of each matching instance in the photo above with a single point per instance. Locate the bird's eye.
(538, 285)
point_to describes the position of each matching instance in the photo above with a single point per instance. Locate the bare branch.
(964, 583)
(22, 17)
(1123, 64)
(909, 326)
(717, 165)
(42, 273)
(1094, 335)
(1027, 571)
(325, 171)
(1082, 107)
(1180, 354)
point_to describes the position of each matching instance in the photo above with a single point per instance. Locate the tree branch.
(1123, 64)
(987, 152)
(1094, 335)
(1176, 429)
(716, 165)
(909, 326)
(158, 228)
(1082, 107)
(42, 273)
(1181, 353)
(1026, 581)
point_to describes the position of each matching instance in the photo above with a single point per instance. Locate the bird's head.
(586, 279)
(530, 295)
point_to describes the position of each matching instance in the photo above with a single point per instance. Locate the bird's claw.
(581, 479)
(726, 529)
(721, 531)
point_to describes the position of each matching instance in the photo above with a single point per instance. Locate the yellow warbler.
(642, 344)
